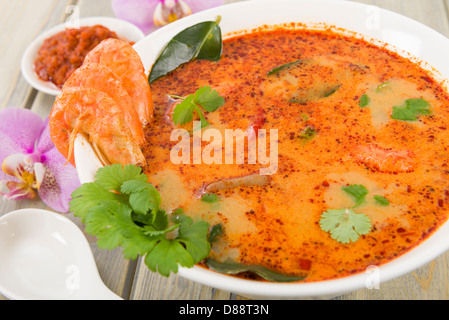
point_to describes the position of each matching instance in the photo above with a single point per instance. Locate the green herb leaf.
(183, 112)
(382, 201)
(111, 223)
(307, 134)
(209, 99)
(364, 101)
(283, 67)
(209, 197)
(90, 195)
(190, 247)
(143, 197)
(121, 209)
(382, 86)
(204, 97)
(165, 257)
(112, 177)
(201, 41)
(327, 93)
(194, 235)
(235, 268)
(344, 225)
(358, 192)
(214, 232)
(411, 109)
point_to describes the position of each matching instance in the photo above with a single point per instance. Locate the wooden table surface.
(23, 20)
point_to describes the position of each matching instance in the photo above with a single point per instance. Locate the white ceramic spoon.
(45, 256)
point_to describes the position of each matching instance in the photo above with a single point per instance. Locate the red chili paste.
(64, 52)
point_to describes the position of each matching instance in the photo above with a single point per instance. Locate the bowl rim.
(30, 53)
(432, 247)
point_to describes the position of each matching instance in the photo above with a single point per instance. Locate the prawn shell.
(86, 110)
(123, 60)
(100, 77)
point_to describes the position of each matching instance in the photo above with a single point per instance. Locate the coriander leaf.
(307, 134)
(194, 237)
(112, 177)
(411, 109)
(204, 122)
(178, 211)
(209, 197)
(161, 220)
(382, 86)
(358, 192)
(183, 112)
(364, 101)
(166, 255)
(139, 244)
(344, 225)
(143, 196)
(90, 195)
(209, 99)
(382, 201)
(189, 247)
(111, 223)
(121, 209)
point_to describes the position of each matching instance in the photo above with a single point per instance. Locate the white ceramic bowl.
(122, 28)
(403, 35)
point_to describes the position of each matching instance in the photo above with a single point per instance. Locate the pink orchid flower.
(149, 14)
(31, 165)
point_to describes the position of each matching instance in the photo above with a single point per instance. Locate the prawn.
(379, 159)
(99, 77)
(121, 58)
(96, 114)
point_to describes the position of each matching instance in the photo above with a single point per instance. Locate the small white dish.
(123, 29)
(45, 256)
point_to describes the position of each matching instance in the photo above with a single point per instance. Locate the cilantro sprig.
(411, 109)
(120, 208)
(358, 193)
(345, 225)
(204, 98)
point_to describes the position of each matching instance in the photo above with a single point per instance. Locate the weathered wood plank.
(151, 286)
(431, 13)
(115, 271)
(21, 22)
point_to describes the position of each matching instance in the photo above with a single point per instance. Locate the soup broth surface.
(332, 107)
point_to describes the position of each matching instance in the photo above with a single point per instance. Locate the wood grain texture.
(23, 20)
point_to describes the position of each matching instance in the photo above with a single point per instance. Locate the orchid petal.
(45, 144)
(59, 182)
(200, 5)
(19, 191)
(39, 174)
(138, 12)
(13, 165)
(19, 131)
(170, 11)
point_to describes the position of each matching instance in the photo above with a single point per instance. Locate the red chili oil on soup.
(343, 90)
